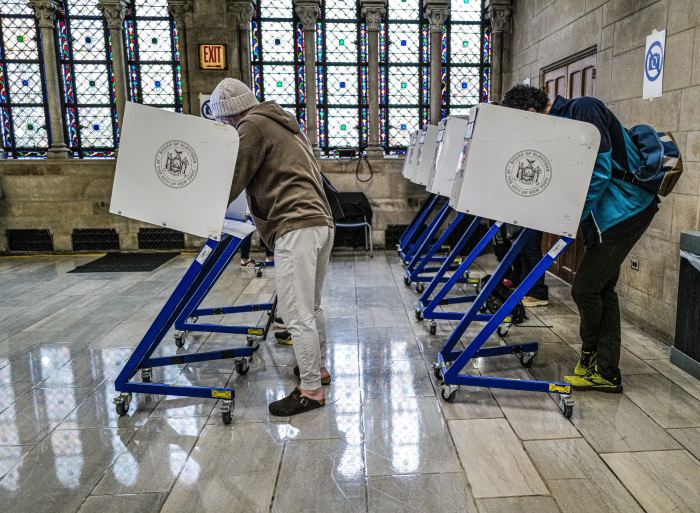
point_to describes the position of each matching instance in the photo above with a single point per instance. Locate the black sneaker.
(293, 404)
(324, 381)
(283, 337)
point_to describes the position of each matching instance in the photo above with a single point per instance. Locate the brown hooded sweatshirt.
(279, 172)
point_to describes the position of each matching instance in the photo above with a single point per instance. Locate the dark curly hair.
(525, 97)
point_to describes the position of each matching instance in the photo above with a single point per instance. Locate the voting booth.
(425, 153)
(408, 160)
(449, 145)
(176, 170)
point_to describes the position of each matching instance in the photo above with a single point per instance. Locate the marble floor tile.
(396, 380)
(689, 438)
(471, 403)
(629, 363)
(341, 330)
(407, 436)
(644, 345)
(59, 473)
(136, 503)
(231, 468)
(89, 369)
(494, 460)
(613, 423)
(681, 378)
(321, 475)
(376, 296)
(665, 402)
(154, 457)
(385, 344)
(578, 479)
(38, 364)
(518, 505)
(446, 493)
(11, 456)
(382, 316)
(661, 481)
(37, 413)
(11, 392)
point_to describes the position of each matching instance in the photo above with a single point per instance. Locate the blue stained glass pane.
(25, 83)
(95, 127)
(342, 84)
(403, 42)
(403, 126)
(157, 83)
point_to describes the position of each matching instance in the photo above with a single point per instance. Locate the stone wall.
(64, 195)
(546, 31)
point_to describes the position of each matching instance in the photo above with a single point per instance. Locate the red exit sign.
(212, 56)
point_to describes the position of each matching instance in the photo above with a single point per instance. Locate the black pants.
(593, 290)
(245, 249)
(530, 256)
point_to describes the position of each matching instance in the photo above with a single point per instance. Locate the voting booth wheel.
(437, 371)
(253, 341)
(227, 411)
(146, 375)
(407, 281)
(433, 328)
(420, 287)
(193, 319)
(122, 403)
(419, 314)
(180, 337)
(527, 359)
(242, 366)
(503, 331)
(449, 392)
(566, 405)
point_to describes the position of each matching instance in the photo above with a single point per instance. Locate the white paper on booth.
(174, 170)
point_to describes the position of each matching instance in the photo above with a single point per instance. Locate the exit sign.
(212, 56)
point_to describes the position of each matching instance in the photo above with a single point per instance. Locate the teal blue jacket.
(610, 200)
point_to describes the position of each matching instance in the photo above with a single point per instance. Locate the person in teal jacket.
(615, 216)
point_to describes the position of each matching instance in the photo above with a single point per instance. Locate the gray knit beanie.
(231, 97)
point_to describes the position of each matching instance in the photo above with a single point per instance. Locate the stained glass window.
(404, 94)
(342, 77)
(88, 80)
(23, 116)
(277, 55)
(153, 55)
(465, 80)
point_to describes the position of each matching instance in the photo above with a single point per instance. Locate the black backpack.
(499, 296)
(332, 197)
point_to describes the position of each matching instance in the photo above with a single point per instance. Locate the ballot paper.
(236, 223)
(527, 169)
(174, 170)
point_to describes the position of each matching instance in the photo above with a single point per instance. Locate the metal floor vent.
(95, 239)
(161, 238)
(393, 234)
(349, 237)
(29, 240)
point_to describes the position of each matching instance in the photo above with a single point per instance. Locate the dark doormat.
(125, 263)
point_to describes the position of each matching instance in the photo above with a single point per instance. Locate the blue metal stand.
(408, 235)
(450, 362)
(198, 279)
(422, 230)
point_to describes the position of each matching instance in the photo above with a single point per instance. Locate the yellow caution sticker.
(256, 331)
(458, 260)
(508, 320)
(562, 389)
(221, 394)
(474, 280)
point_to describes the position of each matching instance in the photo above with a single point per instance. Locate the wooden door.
(570, 80)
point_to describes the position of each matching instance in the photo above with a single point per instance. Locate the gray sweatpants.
(301, 261)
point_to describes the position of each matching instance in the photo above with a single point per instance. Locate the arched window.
(23, 115)
(277, 53)
(153, 55)
(466, 48)
(88, 80)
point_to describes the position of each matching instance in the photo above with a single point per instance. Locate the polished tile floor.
(385, 442)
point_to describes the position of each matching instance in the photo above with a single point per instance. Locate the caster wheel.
(566, 405)
(419, 314)
(179, 339)
(527, 359)
(437, 371)
(432, 329)
(447, 395)
(242, 367)
(420, 287)
(407, 281)
(502, 331)
(193, 319)
(146, 375)
(226, 417)
(227, 412)
(253, 342)
(122, 403)
(258, 274)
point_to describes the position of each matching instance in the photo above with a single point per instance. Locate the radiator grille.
(95, 239)
(161, 238)
(29, 240)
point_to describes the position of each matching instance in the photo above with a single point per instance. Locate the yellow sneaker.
(586, 363)
(593, 381)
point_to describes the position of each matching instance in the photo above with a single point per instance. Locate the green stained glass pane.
(30, 127)
(279, 84)
(20, 39)
(154, 40)
(341, 42)
(343, 127)
(403, 85)
(464, 44)
(92, 83)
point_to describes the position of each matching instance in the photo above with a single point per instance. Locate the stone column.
(243, 13)
(114, 12)
(373, 12)
(499, 12)
(180, 9)
(308, 12)
(436, 12)
(45, 11)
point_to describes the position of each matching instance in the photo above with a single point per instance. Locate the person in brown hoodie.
(277, 169)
